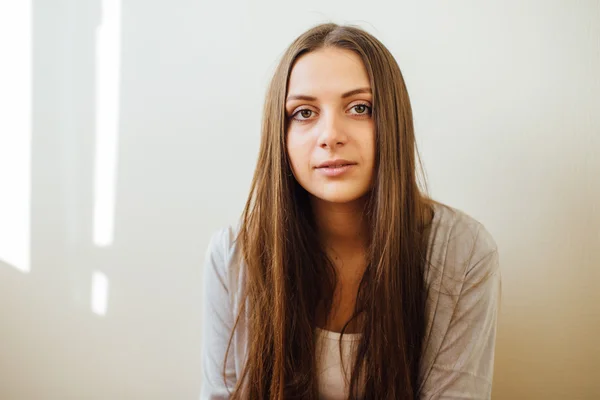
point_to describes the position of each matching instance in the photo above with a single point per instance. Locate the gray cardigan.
(463, 283)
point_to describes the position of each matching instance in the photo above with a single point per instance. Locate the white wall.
(506, 99)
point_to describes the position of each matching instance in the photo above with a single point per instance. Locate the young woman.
(342, 279)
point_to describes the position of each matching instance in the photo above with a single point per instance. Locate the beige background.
(506, 98)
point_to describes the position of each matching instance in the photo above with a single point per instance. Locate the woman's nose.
(332, 132)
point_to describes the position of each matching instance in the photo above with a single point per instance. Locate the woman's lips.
(335, 171)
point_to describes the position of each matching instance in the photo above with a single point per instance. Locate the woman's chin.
(340, 197)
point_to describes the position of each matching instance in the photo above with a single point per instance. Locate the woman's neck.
(341, 226)
(343, 232)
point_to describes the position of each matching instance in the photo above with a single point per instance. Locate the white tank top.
(333, 376)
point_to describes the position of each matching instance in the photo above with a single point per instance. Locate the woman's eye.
(304, 114)
(362, 109)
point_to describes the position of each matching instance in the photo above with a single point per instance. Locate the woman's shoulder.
(223, 256)
(222, 240)
(458, 242)
(463, 296)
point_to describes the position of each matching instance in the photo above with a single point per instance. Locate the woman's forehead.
(328, 70)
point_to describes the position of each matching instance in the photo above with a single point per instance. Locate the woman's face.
(328, 107)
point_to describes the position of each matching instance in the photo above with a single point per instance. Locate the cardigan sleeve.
(217, 321)
(464, 365)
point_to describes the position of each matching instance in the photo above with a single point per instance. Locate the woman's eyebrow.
(311, 98)
(356, 91)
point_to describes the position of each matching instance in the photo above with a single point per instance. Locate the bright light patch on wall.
(99, 293)
(15, 133)
(108, 50)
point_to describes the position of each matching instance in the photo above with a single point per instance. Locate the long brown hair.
(288, 272)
